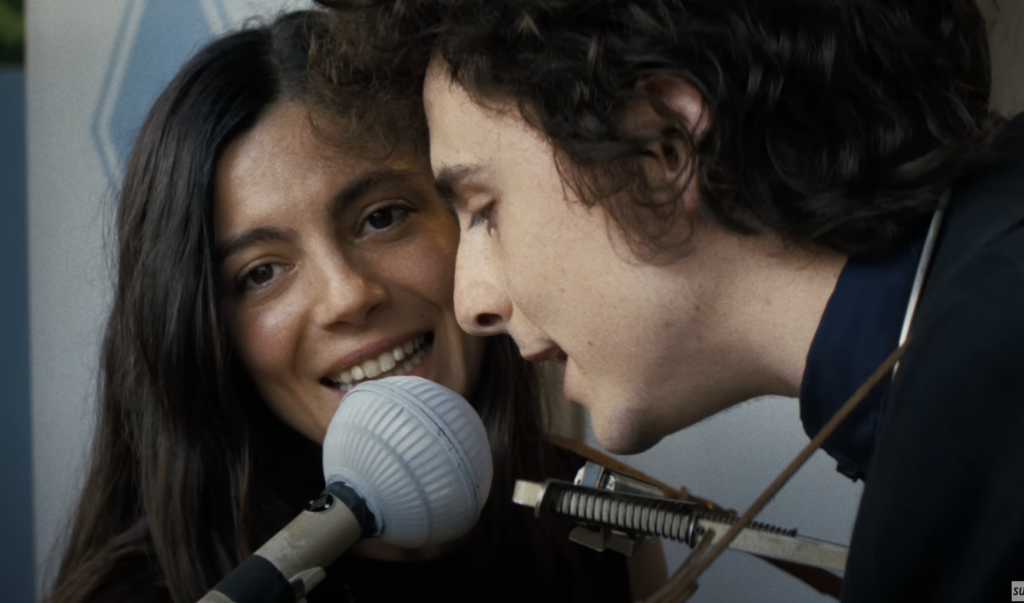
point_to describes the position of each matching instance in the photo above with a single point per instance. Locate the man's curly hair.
(832, 123)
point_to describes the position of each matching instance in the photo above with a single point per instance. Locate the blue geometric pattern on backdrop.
(155, 38)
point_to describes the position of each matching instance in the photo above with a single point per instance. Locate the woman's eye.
(386, 217)
(262, 275)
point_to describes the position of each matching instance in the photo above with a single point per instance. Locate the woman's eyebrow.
(263, 234)
(345, 197)
(353, 191)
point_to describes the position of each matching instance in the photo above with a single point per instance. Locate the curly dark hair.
(190, 469)
(832, 123)
(362, 98)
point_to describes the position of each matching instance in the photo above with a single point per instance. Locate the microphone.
(406, 460)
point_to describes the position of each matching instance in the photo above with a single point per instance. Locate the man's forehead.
(447, 102)
(439, 88)
(470, 141)
(463, 138)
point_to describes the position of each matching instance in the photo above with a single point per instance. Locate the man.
(693, 203)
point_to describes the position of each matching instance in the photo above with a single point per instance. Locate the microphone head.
(418, 454)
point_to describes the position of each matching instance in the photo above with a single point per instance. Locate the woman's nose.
(346, 294)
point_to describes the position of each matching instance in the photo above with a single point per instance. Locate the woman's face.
(334, 270)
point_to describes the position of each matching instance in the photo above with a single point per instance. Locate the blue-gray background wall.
(93, 69)
(16, 561)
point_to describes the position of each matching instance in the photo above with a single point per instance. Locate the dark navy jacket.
(942, 515)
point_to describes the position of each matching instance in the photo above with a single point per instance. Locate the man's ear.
(681, 106)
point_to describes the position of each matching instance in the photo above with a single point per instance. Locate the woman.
(280, 239)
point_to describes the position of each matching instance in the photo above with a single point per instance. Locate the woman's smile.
(397, 360)
(336, 270)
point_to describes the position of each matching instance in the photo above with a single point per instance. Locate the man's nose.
(482, 306)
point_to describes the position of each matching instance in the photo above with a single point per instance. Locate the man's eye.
(482, 216)
(262, 275)
(386, 217)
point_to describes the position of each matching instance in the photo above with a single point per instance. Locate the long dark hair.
(183, 482)
(833, 123)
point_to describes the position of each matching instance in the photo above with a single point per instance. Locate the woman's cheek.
(267, 339)
(428, 267)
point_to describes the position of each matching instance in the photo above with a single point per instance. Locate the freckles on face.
(270, 188)
(266, 336)
(429, 264)
(560, 275)
(329, 264)
(545, 251)
(487, 172)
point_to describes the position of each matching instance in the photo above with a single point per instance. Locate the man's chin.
(617, 438)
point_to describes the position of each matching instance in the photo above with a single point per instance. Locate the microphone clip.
(602, 537)
(618, 512)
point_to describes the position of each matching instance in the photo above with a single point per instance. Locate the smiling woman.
(280, 240)
(334, 269)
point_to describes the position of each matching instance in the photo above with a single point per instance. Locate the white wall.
(1006, 23)
(93, 69)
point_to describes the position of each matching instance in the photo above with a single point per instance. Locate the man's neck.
(771, 297)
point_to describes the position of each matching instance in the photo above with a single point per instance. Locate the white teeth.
(371, 368)
(399, 361)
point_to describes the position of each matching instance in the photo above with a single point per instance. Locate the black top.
(942, 515)
(532, 560)
(500, 573)
(520, 559)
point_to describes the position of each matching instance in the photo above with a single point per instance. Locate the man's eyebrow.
(251, 237)
(451, 177)
(367, 182)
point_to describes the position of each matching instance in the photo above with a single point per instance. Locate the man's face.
(642, 344)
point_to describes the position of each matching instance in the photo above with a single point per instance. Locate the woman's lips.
(404, 359)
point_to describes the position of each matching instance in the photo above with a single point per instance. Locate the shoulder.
(963, 369)
(945, 489)
(974, 311)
